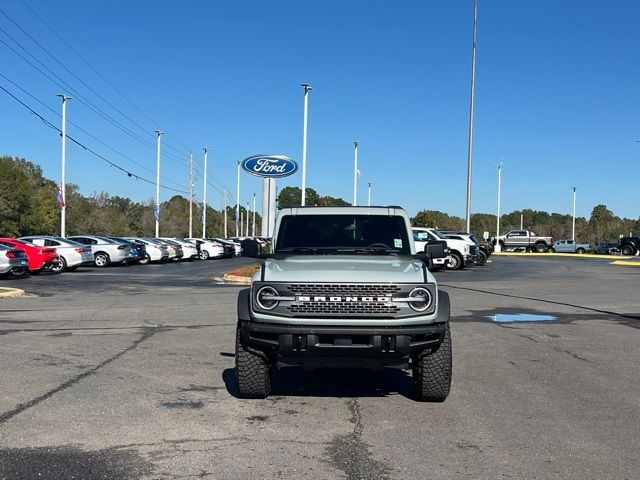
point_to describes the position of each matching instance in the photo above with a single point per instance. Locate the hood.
(345, 268)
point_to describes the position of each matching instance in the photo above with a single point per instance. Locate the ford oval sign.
(272, 166)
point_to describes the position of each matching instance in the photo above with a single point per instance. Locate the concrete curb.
(12, 293)
(237, 279)
(627, 263)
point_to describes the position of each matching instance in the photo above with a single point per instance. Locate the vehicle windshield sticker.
(397, 242)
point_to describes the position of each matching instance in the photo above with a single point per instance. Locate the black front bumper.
(339, 346)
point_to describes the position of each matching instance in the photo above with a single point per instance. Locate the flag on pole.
(60, 197)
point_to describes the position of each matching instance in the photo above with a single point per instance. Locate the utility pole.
(224, 201)
(204, 195)
(306, 87)
(573, 230)
(521, 220)
(355, 174)
(471, 112)
(63, 183)
(190, 195)
(500, 166)
(157, 210)
(369, 196)
(241, 229)
(238, 202)
(253, 228)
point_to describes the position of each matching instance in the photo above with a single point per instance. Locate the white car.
(189, 250)
(208, 249)
(13, 260)
(460, 249)
(72, 254)
(105, 251)
(156, 252)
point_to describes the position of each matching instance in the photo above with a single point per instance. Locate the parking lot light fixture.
(307, 88)
(204, 195)
(500, 167)
(471, 113)
(238, 202)
(355, 174)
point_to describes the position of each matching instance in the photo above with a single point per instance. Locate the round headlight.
(262, 297)
(421, 306)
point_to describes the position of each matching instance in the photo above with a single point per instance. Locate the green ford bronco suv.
(344, 288)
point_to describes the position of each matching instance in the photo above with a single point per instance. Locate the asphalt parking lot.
(127, 373)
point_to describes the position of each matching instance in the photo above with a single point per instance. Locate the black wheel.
(581, 251)
(60, 266)
(204, 255)
(481, 259)
(19, 273)
(628, 250)
(456, 262)
(145, 260)
(541, 247)
(432, 372)
(101, 260)
(252, 371)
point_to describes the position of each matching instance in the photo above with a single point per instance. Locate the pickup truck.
(570, 246)
(629, 245)
(462, 252)
(344, 288)
(524, 239)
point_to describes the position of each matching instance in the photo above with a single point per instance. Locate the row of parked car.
(462, 248)
(41, 253)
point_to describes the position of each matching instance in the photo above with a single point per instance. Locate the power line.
(100, 75)
(126, 157)
(88, 149)
(62, 84)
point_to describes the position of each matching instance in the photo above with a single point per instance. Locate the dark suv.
(629, 245)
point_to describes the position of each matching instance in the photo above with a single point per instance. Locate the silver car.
(72, 254)
(105, 251)
(13, 260)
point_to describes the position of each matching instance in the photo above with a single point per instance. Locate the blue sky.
(556, 95)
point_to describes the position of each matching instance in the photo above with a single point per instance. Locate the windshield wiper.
(369, 251)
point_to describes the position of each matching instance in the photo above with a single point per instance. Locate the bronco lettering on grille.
(306, 298)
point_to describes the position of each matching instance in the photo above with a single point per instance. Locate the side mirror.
(436, 249)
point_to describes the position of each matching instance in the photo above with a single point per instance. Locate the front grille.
(339, 308)
(343, 289)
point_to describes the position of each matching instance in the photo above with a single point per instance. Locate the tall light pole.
(204, 195)
(573, 230)
(306, 87)
(157, 210)
(253, 228)
(355, 174)
(246, 230)
(238, 202)
(369, 196)
(500, 166)
(471, 112)
(63, 180)
(224, 201)
(190, 195)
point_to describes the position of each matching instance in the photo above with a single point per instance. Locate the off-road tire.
(541, 247)
(628, 250)
(481, 259)
(432, 372)
(252, 371)
(456, 263)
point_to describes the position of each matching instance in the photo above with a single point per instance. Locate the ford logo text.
(273, 166)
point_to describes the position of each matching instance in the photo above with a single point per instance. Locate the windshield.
(348, 234)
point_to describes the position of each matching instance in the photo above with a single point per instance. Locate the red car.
(40, 258)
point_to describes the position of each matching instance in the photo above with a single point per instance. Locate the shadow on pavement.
(292, 381)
